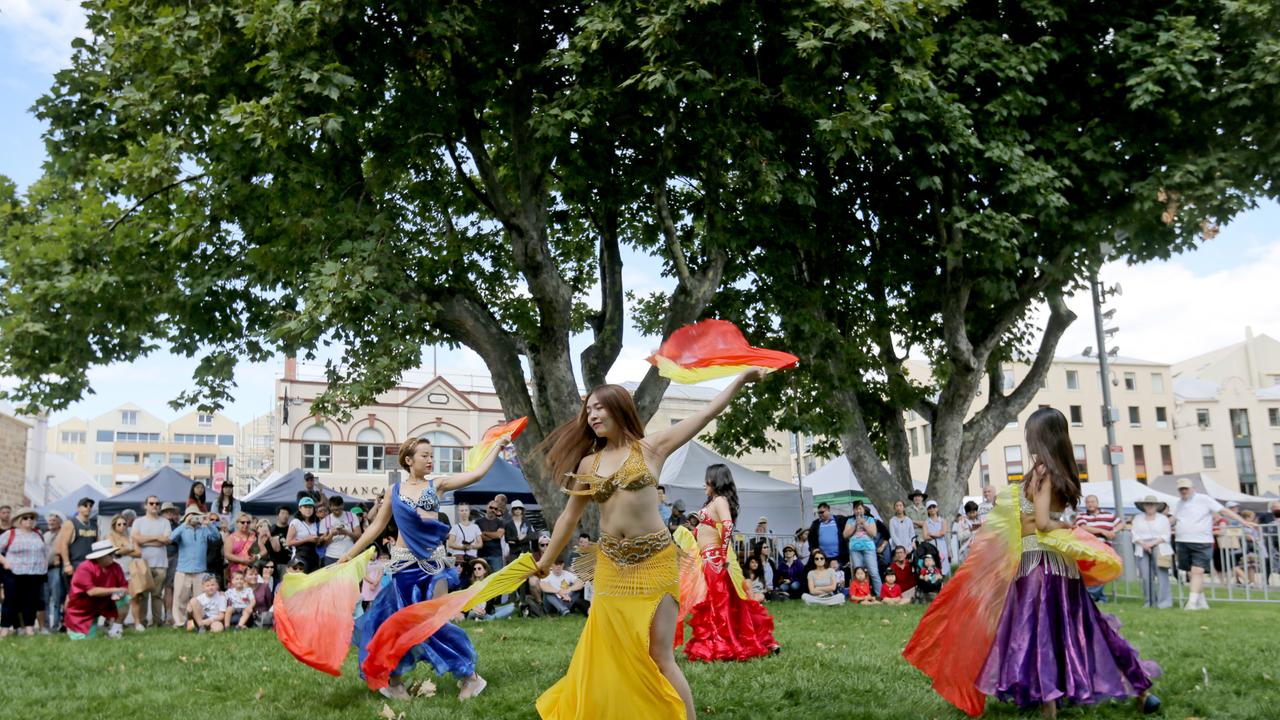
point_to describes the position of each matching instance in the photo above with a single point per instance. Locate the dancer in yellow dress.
(624, 667)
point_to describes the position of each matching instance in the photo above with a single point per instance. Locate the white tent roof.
(1210, 487)
(264, 484)
(838, 476)
(62, 476)
(1131, 491)
(684, 477)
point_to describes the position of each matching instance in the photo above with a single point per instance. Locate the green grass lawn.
(836, 663)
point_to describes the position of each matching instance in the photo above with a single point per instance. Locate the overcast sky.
(1168, 311)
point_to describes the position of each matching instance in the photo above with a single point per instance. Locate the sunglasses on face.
(152, 503)
(242, 522)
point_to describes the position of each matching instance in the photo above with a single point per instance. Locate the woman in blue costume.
(419, 562)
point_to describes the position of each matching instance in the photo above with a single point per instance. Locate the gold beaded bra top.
(633, 474)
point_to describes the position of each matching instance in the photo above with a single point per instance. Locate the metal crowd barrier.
(1246, 568)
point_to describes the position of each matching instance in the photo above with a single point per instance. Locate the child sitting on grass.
(860, 588)
(891, 591)
(240, 599)
(209, 610)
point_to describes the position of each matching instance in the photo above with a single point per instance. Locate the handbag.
(139, 577)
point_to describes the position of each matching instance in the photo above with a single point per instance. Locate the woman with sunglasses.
(126, 550)
(822, 582)
(240, 546)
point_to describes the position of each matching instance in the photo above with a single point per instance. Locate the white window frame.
(204, 419)
(1135, 416)
(1131, 381)
(1073, 380)
(1157, 383)
(1162, 422)
(129, 417)
(370, 451)
(1209, 461)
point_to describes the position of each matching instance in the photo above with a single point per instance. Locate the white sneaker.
(116, 632)
(139, 628)
(1193, 602)
(1204, 604)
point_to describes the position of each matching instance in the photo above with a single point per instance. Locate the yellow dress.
(611, 675)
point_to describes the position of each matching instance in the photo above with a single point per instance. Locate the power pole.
(1109, 419)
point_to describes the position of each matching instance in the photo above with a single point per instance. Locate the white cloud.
(40, 31)
(1168, 313)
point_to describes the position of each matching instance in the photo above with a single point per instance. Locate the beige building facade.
(13, 457)
(127, 443)
(452, 410)
(1141, 392)
(1228, 414)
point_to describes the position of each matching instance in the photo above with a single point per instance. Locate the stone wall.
(13, 460)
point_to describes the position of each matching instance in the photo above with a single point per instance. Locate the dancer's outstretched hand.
(755, 374)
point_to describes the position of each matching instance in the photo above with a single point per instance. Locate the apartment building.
(452, 410)
(124, 445)
(1227, 414)
(1141, 392)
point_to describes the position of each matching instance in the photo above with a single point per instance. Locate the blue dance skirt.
(449, 650)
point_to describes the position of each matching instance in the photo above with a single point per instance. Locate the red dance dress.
(727, 624)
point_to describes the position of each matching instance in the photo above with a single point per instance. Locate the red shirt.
(903, 576)
(82, 610)
(859, 589)
(890, 591)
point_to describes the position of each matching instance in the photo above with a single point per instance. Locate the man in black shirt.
(276, 548)
(491, 532)
(312, 489)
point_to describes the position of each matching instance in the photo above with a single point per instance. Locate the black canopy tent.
(284, 491)
(166, 483)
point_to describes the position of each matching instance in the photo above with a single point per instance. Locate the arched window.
(317, 450)
(369, 451)
(448, 451)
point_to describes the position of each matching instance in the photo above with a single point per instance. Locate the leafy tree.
(933, 194)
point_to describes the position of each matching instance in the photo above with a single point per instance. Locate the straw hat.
(1151, 500)
(23, 512)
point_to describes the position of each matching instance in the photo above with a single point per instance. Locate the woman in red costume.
(727, 624)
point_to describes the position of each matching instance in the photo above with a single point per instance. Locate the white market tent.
(1131, 491)
(684, 477)
(1207, 485)
(837, 478)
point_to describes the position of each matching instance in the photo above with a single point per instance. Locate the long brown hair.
(1049, 441)
(565, 447)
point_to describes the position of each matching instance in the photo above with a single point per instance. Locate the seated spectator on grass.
(906, 575)
(891, 591)
(257, 579)
(928, 580)
(98, 590)
(821, 583)
(296, 566)
(762, 551)
(240, 601)
(790, 575)
(490, 610)
(834, 566)
(860, 588)
(562, 590)
(208, 611)
(755, 579)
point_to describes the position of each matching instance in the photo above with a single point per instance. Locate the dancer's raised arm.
(665, 442)
(463, 479)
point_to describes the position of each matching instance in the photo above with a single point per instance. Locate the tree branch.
(598, 357)
(669, 234)
(150, 195)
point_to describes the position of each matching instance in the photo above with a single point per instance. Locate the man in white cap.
(98, 589)
(1193, 518)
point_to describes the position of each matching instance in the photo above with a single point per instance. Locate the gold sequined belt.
(631, 551)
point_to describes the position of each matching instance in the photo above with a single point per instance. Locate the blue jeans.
(1098, 593)
(866, 559)
(55, 594)
(554, 604)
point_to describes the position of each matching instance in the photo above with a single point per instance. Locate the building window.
(128, 417)
(370, 451)
(1073, 380)
(810, 464)
(448, 452)
(1012, 423)
(105, 480)
(1207, 457)
(984, 469)
(926, 432)
(1166, 459)
(1006, 379)
(1157, 383)
(1248, 487)
(1130, 381)
(139, 437)
(193, 439)
(106, 436)
(1162, 418)
(317, 451)
(204, 420)
(1240, 422)
(1273, 417)
(180, 460)
(915, 446)
(202, 460)
(1077, 416)
(1013, 462)
(1275, 450)
(1082, 461)
(126, 458)
(1139, 463)
(153, 460)
(1202, 417)
(226, 440)
(104, 459)
(74, 437)
(1134, 419)
(1244, 462)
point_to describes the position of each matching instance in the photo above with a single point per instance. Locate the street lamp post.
(1109, 421)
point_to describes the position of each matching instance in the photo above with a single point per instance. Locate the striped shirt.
(1101, 520)
(25, 552)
